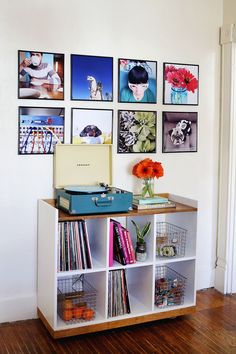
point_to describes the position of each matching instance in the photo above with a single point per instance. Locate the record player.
(82, 180)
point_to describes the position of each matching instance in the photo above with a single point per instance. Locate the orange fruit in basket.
(78, 311)
(67, 304)
(67, 314)
(88, 314)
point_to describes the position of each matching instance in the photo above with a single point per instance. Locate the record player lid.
(82, 165)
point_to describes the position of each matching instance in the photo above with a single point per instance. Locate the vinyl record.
(85, 189)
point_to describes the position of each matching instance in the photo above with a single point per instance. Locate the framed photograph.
(179, 131)
(136, 131)
(91, 78)
(40, 128)
(40, 75)
(180, 84)
(91, 126)
(137, 81)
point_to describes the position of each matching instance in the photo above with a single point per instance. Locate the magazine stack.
(121, 247)
(155, 202)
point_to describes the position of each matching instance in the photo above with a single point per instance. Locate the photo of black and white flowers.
(136, 131)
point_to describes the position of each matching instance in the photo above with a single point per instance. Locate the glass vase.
(178, 95)
(140, 252)
(147, 188)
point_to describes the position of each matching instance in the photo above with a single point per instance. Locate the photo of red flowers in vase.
(181, 84)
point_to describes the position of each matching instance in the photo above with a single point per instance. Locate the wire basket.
(170, 240)
(76, 299)
(169, 287)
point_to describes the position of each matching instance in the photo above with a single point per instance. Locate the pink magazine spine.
(127, 245)
(131, 246)
(123, 243)
(111, 244)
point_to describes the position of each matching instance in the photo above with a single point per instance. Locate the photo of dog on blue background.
(91, 126)
(179, 132)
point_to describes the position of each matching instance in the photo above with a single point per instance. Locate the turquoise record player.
(82, 180)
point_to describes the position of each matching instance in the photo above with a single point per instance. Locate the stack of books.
(156, 202)
(121, 248)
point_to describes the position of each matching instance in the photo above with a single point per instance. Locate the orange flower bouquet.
(147, 170)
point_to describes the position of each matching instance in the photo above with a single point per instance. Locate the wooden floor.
(212, 329)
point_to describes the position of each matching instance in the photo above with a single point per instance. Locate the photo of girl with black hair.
(137, 81)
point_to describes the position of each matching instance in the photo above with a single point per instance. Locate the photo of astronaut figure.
(91, 78)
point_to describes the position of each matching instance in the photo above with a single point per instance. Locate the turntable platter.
(86, 189)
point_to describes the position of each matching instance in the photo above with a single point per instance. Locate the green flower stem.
(148, 188)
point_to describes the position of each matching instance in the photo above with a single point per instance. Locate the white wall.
(180, 31)
(229, 12)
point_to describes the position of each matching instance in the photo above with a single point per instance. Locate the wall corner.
(228, 34)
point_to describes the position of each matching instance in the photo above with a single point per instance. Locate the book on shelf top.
(138, 199)
(168, 204)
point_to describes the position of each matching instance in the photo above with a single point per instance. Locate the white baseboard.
(205, 277)
(18, 308)
(220, 278)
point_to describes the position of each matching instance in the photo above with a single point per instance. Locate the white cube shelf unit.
(140, 276)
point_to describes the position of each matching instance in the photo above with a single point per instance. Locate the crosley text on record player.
(82, 178)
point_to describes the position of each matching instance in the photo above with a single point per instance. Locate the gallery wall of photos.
(41, 77)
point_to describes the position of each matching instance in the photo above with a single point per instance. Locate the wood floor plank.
(212, 329)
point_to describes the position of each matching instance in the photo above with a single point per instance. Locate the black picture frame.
(91, 78)
(179, 132)
(40, 129)
(143, 76)
(91, 126)
(136, 131)
(180, 84)
(44, 83)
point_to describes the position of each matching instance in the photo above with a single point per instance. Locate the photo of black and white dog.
(91, 126)
(179, 133)
(91, 134)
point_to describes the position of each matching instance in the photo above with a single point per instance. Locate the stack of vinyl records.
(118, 296)
(73, 246)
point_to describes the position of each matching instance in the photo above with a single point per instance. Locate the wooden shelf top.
(180, 208)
